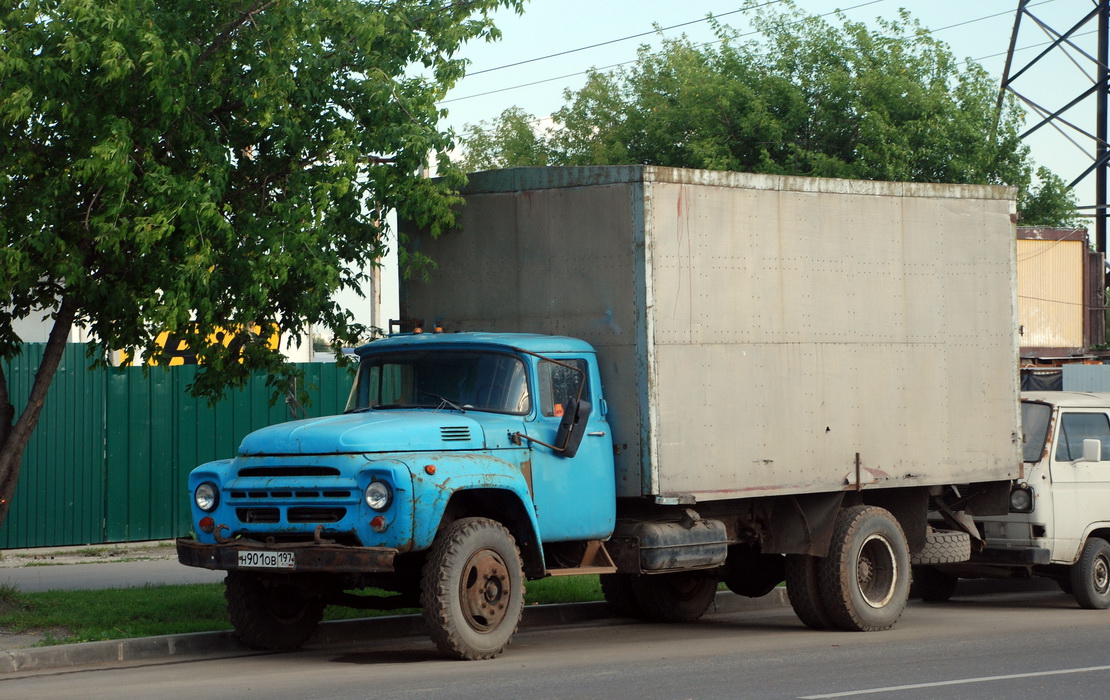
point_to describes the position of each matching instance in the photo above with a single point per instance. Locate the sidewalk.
(156, 563)
(180, 647)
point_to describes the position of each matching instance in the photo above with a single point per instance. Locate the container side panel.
(1050, 295)
(562, 261)
(795, 329)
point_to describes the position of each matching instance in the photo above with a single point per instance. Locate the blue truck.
(671, 379)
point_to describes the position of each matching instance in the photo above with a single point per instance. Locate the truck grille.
(302, 515)
(287, 472)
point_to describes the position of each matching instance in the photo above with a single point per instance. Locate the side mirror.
(1092, 450)
(573, 427)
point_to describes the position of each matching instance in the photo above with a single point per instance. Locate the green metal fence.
(112, 452)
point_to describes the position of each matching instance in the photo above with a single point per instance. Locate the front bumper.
(308, 556)
(1012, 556)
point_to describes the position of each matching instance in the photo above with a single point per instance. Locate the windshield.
(454, 379)
(1034, 425)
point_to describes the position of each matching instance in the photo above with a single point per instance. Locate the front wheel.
(1090, 576)
(473, 589)
(865, 579)
(271, 611)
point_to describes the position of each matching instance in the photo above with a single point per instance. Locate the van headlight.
(378, 495)
(1021, 499)
(207, 497)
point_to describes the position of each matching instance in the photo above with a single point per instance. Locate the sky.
(503, 74)
(543, 52)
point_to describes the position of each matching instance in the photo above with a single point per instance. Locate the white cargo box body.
(755, 332)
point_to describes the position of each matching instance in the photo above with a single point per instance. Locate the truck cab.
(475, 453)
(1059, 520)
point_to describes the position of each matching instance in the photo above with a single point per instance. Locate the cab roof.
(529, 342)
(1074, 399)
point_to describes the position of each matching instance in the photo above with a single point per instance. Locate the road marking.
(984, 679)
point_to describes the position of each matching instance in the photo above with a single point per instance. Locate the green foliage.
(511, 140)
(218, 167)
(1049, 203)
(806, 97)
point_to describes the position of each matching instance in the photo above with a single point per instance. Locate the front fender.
(437, 476)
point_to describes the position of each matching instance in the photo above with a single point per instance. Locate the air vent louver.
(454, 434)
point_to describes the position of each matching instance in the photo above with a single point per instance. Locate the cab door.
(575, 497)
(1080, 490)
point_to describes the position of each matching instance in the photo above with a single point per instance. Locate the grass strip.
(68, 617)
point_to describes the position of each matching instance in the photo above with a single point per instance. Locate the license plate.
(267, 560)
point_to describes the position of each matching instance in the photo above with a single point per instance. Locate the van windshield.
(1034, 425)
(460, 380)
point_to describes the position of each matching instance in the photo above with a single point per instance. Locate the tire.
(803, 591)
(943, 547)
(271, 612)
(752, 574)
(682, 596)
(473, 589)
(865, 579)
(619, 594)
(1090, 576)
(933, 585)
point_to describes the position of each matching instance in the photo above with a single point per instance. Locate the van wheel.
(865, 579)
(473, 589)
(934, 585)
(1090, 576)
(619, 594)
(803, 591)
(270, 611)
(682, 596)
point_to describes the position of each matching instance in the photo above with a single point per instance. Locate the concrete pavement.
(180, 647)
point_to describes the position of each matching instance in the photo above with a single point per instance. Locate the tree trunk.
(16, 433)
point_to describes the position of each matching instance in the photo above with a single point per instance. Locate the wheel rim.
(484, 590)
(876, 571)
(1100, 575)
(285, 603)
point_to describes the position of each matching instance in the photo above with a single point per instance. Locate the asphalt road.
(1023, 644)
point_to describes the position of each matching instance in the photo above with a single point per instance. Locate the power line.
(624, 63)
(624, 38)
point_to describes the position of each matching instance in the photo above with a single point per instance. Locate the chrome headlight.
(1021, 499)
(207, 497)
(378, 495)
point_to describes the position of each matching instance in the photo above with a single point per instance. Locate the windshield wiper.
(445, 400)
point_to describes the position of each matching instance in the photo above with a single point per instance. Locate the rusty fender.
(309, 556)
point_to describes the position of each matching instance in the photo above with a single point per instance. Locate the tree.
(511, 140)
(1048, 203)
(805, 97)
(213, 169)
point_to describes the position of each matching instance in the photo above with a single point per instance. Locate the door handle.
(597, 433)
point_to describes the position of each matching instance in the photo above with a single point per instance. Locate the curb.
(332, 633)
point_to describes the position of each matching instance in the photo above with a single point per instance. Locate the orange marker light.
(430, 469)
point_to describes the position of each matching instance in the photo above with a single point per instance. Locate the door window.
(1077, 427)
(559, 384)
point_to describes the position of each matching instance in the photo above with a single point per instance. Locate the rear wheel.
(473, 589)
(619, 594)
(1090, 576)
(682, 596)
(270, 611)
(865, 579)
(804, 592)
(934, 585)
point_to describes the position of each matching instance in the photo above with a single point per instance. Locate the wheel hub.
(484, 590)
(876, 571)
